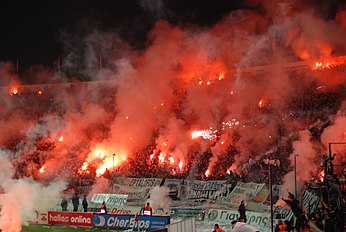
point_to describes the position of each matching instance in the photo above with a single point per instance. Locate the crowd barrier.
(188, 225)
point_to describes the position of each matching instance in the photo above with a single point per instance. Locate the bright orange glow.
(124, 158)
(39, 92)
(151, 156)
(321, 176)
(171, 159)
(200, 82)
(42, 169)
(161, 104)
(261, 103)
(180, 165)
(221, 76)
(222, 142)
(162, 158)
(85, 166)
(130, 138)
(232, 168)
(61, 139)
(14, 91)
(127, 117)
(207, 173)
(208, 83)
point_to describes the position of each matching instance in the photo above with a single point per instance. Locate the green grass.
(45, 228)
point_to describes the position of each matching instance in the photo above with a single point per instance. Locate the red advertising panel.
(70, 218)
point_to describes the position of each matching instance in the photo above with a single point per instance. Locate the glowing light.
(222, 142)
(85, 166)
(205, 134)
(221, 76)
(162, 158)
(124, 158)
(42, 169)
(321, 176)
(61, 139)
(39, 92)
(261, 103)
(232, 168)
(171, 159)
(208, 83)
(164, 144)
(232, 92)
(14, 91)
(200, 82)
(127, 117)
(151, 156)
(230, 124)
(207, 173)
(161, 104)
(180, 165)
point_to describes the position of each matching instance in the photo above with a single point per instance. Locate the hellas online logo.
(61, 218)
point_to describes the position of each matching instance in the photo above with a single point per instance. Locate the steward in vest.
(148, 210)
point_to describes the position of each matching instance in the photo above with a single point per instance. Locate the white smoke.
(159, 198)
(21, 197)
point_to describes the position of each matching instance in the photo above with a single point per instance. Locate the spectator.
(64, 204)
(301, 219)
(85, 204)
(75, 202)
(242, 211)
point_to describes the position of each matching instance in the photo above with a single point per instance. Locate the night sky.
(34, 31)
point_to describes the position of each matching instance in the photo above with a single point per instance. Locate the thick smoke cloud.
(234, 79)
(21, 197)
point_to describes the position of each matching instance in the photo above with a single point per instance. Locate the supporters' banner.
(174, 186)
(261, 220)
(70, 218)
(139, 182)
(39, 217)
(198, 190)
(205, 185)
(130, 221)
(310, 201)
(187, 213)
(110, 199)
(250, 192)
(133, 193)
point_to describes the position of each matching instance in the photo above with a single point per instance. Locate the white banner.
(133, 193)
(139, 182)
(110, 199)
(259, 220)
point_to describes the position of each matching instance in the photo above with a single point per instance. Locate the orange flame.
(321, 176)
(42, 169)
(14, 90)
(39, 92)
(61, 139)
(207, 173)
(180, 165)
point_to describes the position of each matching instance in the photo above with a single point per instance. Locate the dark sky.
(31, 30)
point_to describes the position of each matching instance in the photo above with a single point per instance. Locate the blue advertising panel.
(115, 221)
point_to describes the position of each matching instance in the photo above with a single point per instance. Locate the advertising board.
(130, 222)
(70, 218)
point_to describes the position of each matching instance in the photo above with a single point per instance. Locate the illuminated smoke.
(236, 83)
(21, 197)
